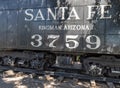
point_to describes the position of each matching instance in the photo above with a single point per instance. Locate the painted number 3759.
(71, 41)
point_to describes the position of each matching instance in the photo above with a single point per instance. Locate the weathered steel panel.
(3, 28)
(112, 27)
(38, 3)
(24, 4)
(14, 4)
(3, 4)
(60, 25)
(113, 44)
(12, 27)
(23, 30)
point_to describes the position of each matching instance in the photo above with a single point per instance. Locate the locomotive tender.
(43, 34)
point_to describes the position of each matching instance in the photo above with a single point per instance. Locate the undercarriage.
(62, 64)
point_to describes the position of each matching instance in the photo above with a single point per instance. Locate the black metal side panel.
(113, 30)
(3, 28)
(60, 25)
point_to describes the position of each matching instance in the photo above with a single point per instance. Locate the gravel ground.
(9, 79)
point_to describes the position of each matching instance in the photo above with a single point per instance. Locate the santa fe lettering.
(59, 13)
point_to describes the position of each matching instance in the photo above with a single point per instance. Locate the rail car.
(82, 35)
